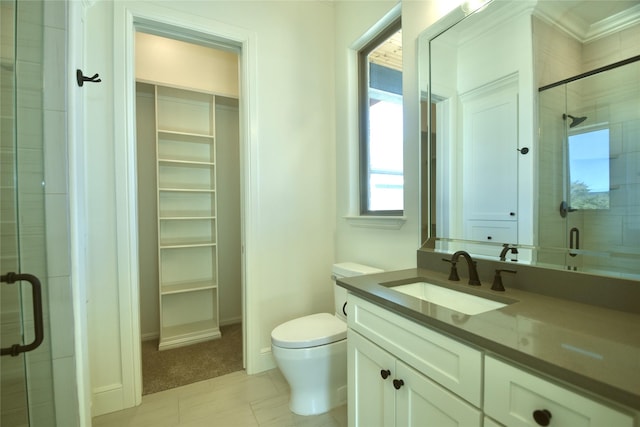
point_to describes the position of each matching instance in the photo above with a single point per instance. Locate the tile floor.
(233, 400)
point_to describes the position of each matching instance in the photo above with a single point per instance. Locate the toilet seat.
(309, 331)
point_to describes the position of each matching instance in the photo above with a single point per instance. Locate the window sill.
(384, 222)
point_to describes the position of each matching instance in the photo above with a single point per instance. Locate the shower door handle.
(574, 240)
(36, 291)
(565, 209)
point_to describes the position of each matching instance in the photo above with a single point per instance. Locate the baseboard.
(263, 362)
(231, 321)
(155, 335)
(107, 399)
(150, 336)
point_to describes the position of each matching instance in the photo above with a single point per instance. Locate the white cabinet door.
(384, 391)
(453, 365)
(490, 156)
(421, 402)
(518, 398)
(371, 395)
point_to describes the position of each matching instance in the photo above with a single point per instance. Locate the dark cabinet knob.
(488, 237)
(385, 373)
(397, 384)
(542, 417)
(512, 214)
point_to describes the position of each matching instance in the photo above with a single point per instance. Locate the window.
(589, 169)
(381, 143)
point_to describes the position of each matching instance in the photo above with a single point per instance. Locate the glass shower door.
(552, 229)
(588, 171)
(26, 379)
(559, 219)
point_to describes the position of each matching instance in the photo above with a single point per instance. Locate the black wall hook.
(81, 78)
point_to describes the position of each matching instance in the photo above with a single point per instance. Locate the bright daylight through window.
(381, 143)
(589, 169)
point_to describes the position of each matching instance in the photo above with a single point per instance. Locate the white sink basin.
(459, 301)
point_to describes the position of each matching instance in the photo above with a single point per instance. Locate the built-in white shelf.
(173, 288)
(187, 223)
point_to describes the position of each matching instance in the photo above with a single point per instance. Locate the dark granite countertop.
(591, 347)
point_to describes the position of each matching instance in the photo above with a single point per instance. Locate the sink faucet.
(506, 249)
(474, 280)
(497, 280)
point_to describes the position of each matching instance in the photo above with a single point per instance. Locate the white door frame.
(127, 17)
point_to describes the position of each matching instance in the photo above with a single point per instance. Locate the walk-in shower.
(587, 165)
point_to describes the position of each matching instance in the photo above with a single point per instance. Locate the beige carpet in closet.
(162, 370)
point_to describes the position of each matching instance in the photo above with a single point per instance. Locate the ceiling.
(587, 20)
(389, 54)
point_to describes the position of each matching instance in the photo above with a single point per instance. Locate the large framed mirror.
(531, 134)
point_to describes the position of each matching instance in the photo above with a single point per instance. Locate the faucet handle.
(497, 280)
(453, 274)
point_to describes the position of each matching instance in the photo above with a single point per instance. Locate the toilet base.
(317, 376)
(306, 404)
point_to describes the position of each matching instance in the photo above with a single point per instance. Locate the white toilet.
(311, 351)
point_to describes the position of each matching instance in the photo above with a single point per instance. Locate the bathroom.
(298, 168)
(293, 140)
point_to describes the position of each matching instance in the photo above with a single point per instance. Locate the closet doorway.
(189, 211)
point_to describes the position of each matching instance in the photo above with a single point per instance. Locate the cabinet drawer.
(512, 396)
(493, 231)
(448, 362)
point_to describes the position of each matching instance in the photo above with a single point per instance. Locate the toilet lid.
(309, 331)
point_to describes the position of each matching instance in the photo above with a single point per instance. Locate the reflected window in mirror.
(381, 122)
(589, 169)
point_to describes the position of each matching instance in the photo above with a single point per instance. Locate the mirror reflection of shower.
(575, 121)
(588, 151)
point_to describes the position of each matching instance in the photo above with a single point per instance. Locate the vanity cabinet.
(517, 398)
(384, 391)
(403, 374)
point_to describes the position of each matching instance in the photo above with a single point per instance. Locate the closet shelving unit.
(187, 225)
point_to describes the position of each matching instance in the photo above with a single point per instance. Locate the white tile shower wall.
(614, 48)
(615, 229)
(12, 386)
(557, 55)
(29, 122)
(618, 227)
(550, 175)
(57, 214)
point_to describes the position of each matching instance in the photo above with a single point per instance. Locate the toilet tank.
(346, 269)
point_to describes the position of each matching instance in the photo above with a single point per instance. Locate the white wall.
(302, 86)
(147, 211)
(384, 244)
(188, 65)
(292, 159)
(229, 214)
